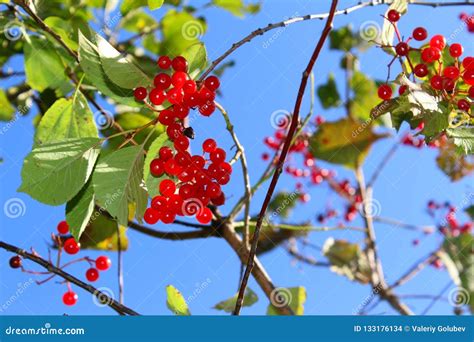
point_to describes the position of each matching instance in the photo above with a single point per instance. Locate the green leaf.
(79, 210)
(180, 30)
(119, 69)
(196, 56)
(237, 7)
(328, 94)
(365, 95)
(343, 39)
(470, 211)
(345, 142)
(176, 302)
(90, 62)
(282, 204)
(460, 249)
(137, 21)
(66, 119)
(155, 4)
(150, 181)
(101, 233)
(6, 109)
(463, 137)
(434, 123)
(347, 259)
(118, 180)
(228, 305)
(53, 173)
(43, 66)
(128, 5)
(452, 163)
(294, 297)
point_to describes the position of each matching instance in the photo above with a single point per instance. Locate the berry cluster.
(189, 183)
(468, 20)
(453, 82)
(70, 246)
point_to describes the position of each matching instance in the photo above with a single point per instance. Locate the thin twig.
(303, 258)
(415, 269)
(383, 163)
(436, 298)
(118, 307)
(119, 265)
(288, 141)
(175, 236)
(399, 224)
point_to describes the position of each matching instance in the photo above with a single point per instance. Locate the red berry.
(164, 62)
(464, 105)
(209, 145)
(168, 217)
(166, 117)
(206, 95)
(175, 95)
(179, 63)
(420, 33)
(71, 246)
(157, 167)
(191, 100)
(92, 274)
(393, 15)
(179, 78)
(198, 162)
(180, 111)
(421, 70)
(151, 216)
(174, 130)
(162, 81)
(159, 203)
(212, 83)
(181, 143)
(167, 187)
(402, 49)
(438, 41)
(140, 93)
(213, 190)
(172, 167)
(456, 50)
(189, 87)
(436, 82)
(385, 92)
(204, 216)
(218, 155)
(70, 298)
(451, 72)
(468, 76)
(207, 109)
(186, 191)
(103, 263)
(431, 54)
(63, 228)
(157, 96)
(471, 92)
(15, 262)
(403, 89)
(468, 63)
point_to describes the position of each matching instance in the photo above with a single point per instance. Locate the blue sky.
(265, 79)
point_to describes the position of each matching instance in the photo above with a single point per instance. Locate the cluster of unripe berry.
(70, 246)
(453, 82)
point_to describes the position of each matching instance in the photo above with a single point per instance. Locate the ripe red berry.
(181, 143)
(207, 108)
(468, 63)
(191, 100)
(63, 228)
(436, 82)
(421, 70)
(103, 263)
(456, 50)
(157, 96)
(204, 216)
(179, 63)
(385, 92)
(213, 190)
(165, 153)
(393, 15)
(179, 78)
(159, 203)
(403, 89)
(140, 93)
(464, 105)
(70, 298)
(218, 155)
(402, 49)
(172, 167)
(218, 201)
(420, 33)
(151, 216)
(430, 54)
(157, 167)
(212, 83)
(471, 92)
(167, 187)
(71, 246)
(168, 217)
(206, 95)
(180, 111)
(175, 95)
(468, 76)
(164, 62)
(189, 87)
(209, 145)
(92, 274)
(162, 81)
(166, 117)
(438, 41)
(15, 261)
(451, 72)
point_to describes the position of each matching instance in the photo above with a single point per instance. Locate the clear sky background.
(206, 271)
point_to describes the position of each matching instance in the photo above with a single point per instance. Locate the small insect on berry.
(189, 132)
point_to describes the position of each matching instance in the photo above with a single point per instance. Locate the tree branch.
(120, 308)
(415, 269)
(174, 236)
(288, 141)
